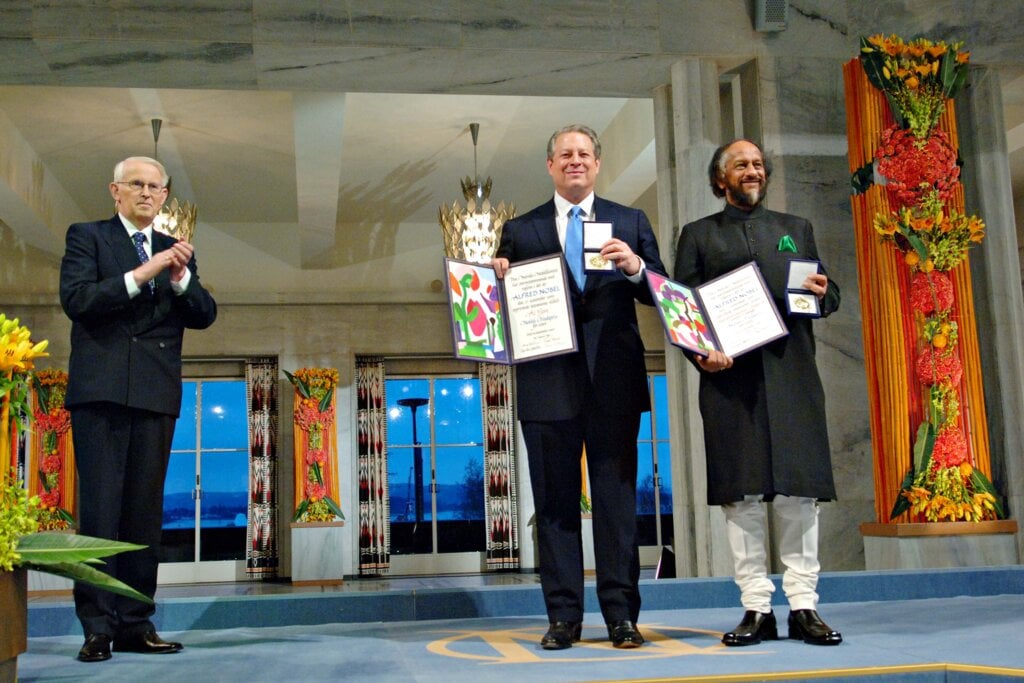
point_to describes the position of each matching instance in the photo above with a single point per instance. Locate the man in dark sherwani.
(765, 430)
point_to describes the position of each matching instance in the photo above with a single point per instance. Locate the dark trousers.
(554, 450)
(121, 455)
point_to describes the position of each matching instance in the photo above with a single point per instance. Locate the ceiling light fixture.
(175, 219)
(472, 233)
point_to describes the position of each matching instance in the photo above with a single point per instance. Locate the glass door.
(207, 487)
(435, 474)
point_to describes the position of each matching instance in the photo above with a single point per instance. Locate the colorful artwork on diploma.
(681, 314)
(476, 312)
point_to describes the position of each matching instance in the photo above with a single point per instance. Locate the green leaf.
(862, 178)
(301, 510)
(47, 547)
(325, 402)
(318, 476)
(42, 392)
(299, 384)
(919, 246)
(873, 62)
(902, 504)
(333, 507)
(923, 446)
(981, 483)
(83, 573)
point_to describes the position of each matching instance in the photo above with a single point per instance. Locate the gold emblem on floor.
(520, 645)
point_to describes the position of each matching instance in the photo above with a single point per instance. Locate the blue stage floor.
(945, 625)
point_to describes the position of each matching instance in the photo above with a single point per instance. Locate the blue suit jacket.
(125, 350)
(609, 365)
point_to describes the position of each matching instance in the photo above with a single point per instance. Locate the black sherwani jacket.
(764, 419)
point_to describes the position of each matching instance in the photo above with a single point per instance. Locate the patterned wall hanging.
(374, 509)
(500, 504)
(261, 558)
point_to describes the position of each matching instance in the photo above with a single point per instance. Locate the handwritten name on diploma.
(537, 305)
(736, 305)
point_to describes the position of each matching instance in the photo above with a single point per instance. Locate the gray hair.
(575, 128)
(119, 168)
(719, 160)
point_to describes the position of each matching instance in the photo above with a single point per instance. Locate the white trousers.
(746, 527)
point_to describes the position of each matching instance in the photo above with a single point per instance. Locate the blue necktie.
(574, 246)
(140, 239)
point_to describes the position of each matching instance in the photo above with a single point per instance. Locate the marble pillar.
(317, 553)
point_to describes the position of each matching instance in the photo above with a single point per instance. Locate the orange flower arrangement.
(52, 421)
(920, 168)
(313, 414)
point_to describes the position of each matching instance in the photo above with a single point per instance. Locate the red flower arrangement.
(52, 422)
(938, 367)
(950, 449)
(931, 292)
(913, 167)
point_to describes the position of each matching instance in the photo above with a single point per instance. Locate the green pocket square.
(786, 244)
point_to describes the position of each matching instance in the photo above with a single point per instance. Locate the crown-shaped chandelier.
(472, 233)
(177, 219)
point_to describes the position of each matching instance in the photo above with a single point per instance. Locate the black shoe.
(147, 642)
(95, 649)
(561, 635)
(752, 629)
(623, 634)
(806, 625)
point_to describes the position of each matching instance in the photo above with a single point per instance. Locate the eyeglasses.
(139, 186)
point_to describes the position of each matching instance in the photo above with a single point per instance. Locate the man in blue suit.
(593, 397)
(130, 292)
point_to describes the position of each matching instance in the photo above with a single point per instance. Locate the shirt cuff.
(129, 284)
(179, 287)
(635, 279)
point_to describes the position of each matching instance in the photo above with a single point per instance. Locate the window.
(207, 484)
(654, 469)
(435, 465)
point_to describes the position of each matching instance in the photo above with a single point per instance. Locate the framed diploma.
(525, 316)
(734, 313)
(800, 301)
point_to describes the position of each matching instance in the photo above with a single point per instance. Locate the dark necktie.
(140, 240)
(574, 246)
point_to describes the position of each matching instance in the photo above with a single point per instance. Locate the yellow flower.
(17, 351)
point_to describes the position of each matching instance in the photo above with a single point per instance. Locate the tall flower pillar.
(934, 503)
(318, 520)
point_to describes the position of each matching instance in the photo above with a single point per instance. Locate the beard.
(747, 198)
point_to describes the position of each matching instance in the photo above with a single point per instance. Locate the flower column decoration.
(316, 454)
(908, 143)
(52, 453)
(17, 360)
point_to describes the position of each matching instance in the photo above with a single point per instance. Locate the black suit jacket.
(609, 366)
(125, 350)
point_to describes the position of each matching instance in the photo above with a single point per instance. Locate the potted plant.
(22, 547)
